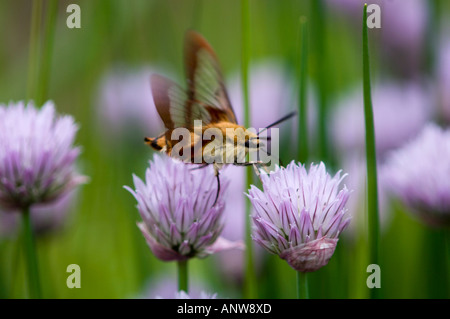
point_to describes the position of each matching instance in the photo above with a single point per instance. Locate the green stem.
(434, 247)
(16, 256)
(302, 285)
(32, 262)
(44, 74)
(447, 258)
(318, 17)
(432, 35)
(371, 157)
(302, 155)
(183, 276)
(250, 278)
(33, 58)
(245, 59)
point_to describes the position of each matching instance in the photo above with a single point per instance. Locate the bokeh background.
(100, 75)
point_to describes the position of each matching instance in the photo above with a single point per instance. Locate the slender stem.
(33, 58)
(250, 278)
(302, 155)
(302, 285)
(435, 254)
(371, 157)
(31, 255)
(183, 276)
(319, 20)
(3, 285)
(447, 249)
(16, 258)
(245, 59)
(44, 74)
(433, 30)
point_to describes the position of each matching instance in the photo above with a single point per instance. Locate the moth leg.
(199, 167)
(255, 166)
(249, 163)
(257, 169)
(216, 173)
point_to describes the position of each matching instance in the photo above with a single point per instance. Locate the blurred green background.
(101, 236)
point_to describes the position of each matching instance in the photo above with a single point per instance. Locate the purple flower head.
(299, 214)
(37, 156)
(403, 28)
(176, 205)
(400, 112)
(418, 175)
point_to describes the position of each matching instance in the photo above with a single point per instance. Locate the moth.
(202, 110)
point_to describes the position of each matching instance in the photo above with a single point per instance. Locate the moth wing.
(171, 103)
(206, 88)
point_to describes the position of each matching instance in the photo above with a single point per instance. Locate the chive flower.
(418, 173)
(403, 33)
(176, 206)
(300, 214)
(400, 113)
(37, 156)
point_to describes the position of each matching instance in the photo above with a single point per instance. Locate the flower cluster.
(403, 32)
(176, 205)
(400, 112)
(418, 173)
(299, 214)
(37, 156)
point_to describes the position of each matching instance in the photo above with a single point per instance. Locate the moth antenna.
(284, 118)
(266, 138)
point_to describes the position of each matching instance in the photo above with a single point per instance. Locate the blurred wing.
(206, 89)
(160, 91)
(206, 98)
(171, 101)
